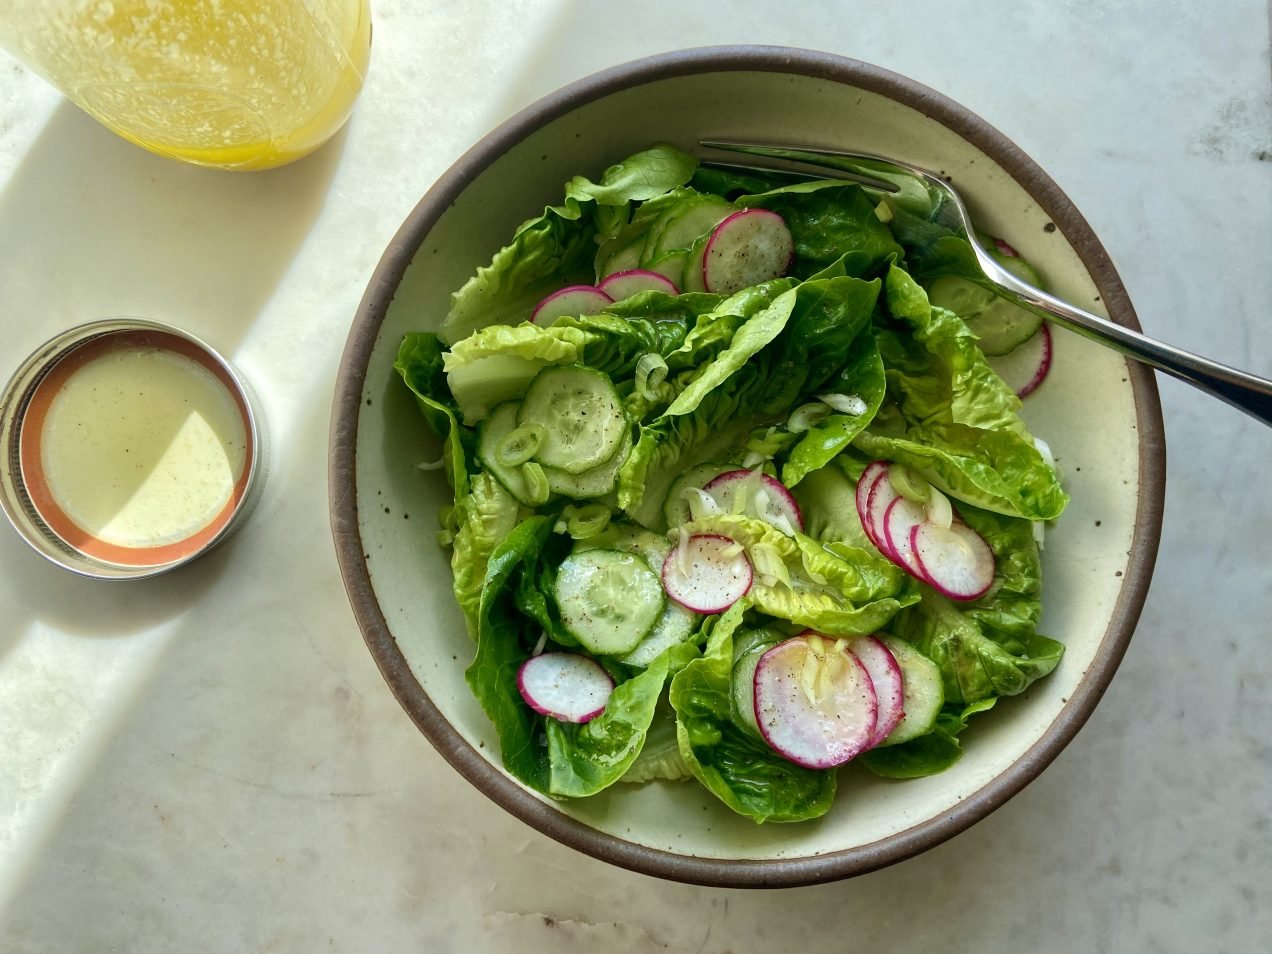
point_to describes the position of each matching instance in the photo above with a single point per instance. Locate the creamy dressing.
(142, 447)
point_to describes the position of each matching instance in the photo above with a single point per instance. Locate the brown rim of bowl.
(482, 772)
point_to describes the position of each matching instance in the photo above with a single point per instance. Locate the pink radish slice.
(564, 686)
(747, 248)
(814, 701)
(767, 498)
(885, 675)
(957, 562)
(882, 496)
(1025, 367)
(704, 575)
(865, 487)
(622, 285)
(901, 517)
(1005, 249)
(571, 300)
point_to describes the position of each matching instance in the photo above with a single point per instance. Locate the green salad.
(738, 497)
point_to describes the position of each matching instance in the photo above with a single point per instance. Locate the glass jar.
(235, 84)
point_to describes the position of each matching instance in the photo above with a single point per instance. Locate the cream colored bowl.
(1101, 417)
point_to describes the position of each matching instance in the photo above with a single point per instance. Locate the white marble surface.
(211, 762)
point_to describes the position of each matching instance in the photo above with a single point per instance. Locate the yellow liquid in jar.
(142, 447)
(238, 84)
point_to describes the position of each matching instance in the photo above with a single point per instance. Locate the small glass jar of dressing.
(130, 448)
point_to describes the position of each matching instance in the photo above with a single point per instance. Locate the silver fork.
(910, 184)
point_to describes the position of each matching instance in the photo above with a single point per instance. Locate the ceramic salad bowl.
(1099, 415)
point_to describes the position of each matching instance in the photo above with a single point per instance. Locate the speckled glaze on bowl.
(1100, 415)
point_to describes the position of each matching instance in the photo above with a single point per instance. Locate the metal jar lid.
(25, 494)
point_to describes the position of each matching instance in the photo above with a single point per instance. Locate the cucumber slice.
(582, 414)
(486, 382)
(675, 625)
(670, 266)
(691, 274)
(608, 599)
(748, 647)
(631, 538)
(692, 220)
(1000, 324)
(923, 689)
(499, 423)
(596, 482)
(619, 259)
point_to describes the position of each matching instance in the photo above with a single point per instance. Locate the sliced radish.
(707, 573)
(622, 285)
(564, 686)
(882, 496)
(956, 562)
(1005, 249)
(758, 495)
(814, 701)
(571, 300)
(1025, 367)
(898, 526)
(865, 486)
(885, 675)
(901, 517)
(745, 249)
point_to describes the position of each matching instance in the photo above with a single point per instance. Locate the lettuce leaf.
(740, 770)
(615, 344)
(766, 318)
(994, 470)
(936, 370)
(556, 248)
(749, 390)
(660, 756)
(420, 364)
(670, 446)
(504, 641)
(862, 376)
(548, 253)
(553, 345)
(642, 176)
(484, 517)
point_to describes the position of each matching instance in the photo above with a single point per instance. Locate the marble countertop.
(210, 761)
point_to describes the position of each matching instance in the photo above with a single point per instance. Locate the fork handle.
(1245, 391)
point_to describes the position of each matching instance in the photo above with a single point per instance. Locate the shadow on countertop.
(93, 226)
